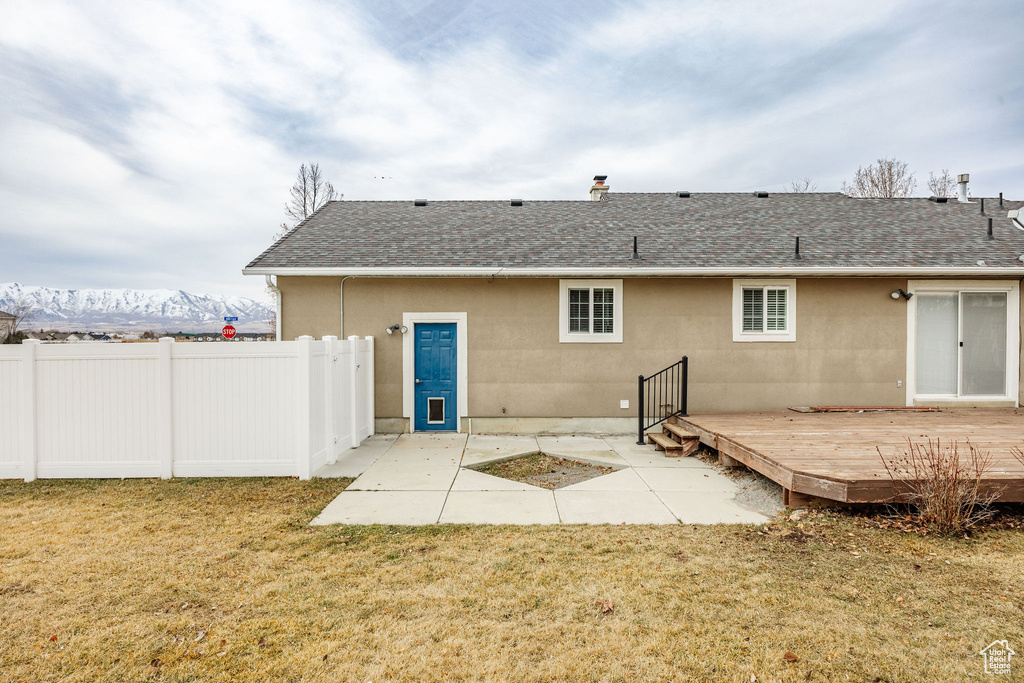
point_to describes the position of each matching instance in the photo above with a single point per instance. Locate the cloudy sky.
(152, 144)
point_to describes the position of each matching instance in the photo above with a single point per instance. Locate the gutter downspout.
(341, 307)
(277, 297)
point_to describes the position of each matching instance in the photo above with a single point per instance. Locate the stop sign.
(228, 331)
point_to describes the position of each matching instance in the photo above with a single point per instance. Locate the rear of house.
(529, 316)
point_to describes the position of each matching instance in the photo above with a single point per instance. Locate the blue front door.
(435, 377)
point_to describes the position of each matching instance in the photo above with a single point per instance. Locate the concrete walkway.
(422, 478)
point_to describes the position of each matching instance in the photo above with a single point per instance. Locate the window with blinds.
(592, 304)
(579, 310)
(764, 309)
(590, 311)
(604, 311)
(753, 310)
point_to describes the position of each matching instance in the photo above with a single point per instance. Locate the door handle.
(417, 381)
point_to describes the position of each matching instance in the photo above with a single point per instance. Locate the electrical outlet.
(899, 383)
(624, 403)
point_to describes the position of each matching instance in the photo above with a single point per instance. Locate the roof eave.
(727, 271)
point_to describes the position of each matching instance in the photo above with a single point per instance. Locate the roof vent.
(517, 202)
(938, 200)
(962, 181)
(419, 202)
(761, 195)
(683, 194)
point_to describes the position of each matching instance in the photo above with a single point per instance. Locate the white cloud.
(152, 144)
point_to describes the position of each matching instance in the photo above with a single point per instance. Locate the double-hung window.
(763, 310)
(590, 311)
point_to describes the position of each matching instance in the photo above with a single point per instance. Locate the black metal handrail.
(661, 396)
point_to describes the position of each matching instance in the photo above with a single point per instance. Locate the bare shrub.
(803, 185)
(890, 178)
(942, 481)
(943, 185)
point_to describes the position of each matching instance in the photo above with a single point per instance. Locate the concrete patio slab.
(471, 480)
(414, 508)
(432, 441)
(645, 456)
(416, 479)
(354, 461)
(623, 480)
(708, 507)
(482, 449)
(411, 469)
(606, 507)
(686, 479)
(586, 448)
(500, 507)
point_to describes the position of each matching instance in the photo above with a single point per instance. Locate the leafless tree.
(942, 185)
(803, 185)
(10, 327)
(310, 191)
(890, 178)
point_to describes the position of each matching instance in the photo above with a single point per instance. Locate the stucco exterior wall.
(310, 305)
(850, 343)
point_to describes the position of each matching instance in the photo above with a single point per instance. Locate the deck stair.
(675, 440)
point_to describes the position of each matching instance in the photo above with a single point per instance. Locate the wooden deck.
(834, 456)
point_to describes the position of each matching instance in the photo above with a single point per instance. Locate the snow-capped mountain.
(139, 309)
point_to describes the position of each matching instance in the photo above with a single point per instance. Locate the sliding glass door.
(961, 344)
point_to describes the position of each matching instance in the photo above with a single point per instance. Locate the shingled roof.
(702, 232)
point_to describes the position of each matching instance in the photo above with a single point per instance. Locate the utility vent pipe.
(798, 249)
(963, 179)
(982, 206)
(990, 235)
(636, 251)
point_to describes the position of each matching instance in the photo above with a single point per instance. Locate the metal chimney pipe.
(963, 179)
(983, 206)
(1000, 200)
(798, 249)
(990, 235)
(636, 251)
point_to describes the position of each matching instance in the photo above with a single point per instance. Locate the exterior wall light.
(899, 292)
(401, 328)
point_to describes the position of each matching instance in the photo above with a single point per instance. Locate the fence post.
(371, 408)
(304, 411)
(330, 424)
(640, 410)
(28, 427)
(354, 392)
(165, 406)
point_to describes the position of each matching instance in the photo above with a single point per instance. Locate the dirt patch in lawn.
(545, 471)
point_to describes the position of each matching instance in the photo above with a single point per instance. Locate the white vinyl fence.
(182, 410)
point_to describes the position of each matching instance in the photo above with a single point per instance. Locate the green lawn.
(216, 579)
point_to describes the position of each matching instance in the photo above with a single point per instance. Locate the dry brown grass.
(115, 581)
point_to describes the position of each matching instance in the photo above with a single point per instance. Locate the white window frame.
(567, 337)
(787, 335)
(1012, 290)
